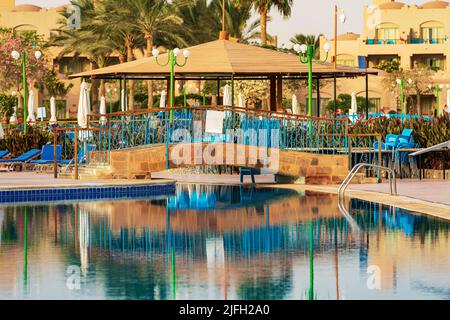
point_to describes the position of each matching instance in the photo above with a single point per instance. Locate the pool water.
(221, 242)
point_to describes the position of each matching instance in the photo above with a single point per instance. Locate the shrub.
(17, 142)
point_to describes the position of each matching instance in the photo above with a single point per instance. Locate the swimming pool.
(221, 242)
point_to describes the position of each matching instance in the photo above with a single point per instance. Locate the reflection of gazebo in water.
(228, 60)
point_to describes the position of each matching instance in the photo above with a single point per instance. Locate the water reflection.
(218, 242)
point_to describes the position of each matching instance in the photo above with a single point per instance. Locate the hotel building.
(414, 35)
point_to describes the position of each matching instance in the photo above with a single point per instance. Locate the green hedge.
(426, 133)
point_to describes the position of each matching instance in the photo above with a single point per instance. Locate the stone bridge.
(310, 168)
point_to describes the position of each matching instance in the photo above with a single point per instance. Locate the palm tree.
(115, 17)
(159, 25)
(202, 16)
(263, 7)
(84, 42)
(237, 21)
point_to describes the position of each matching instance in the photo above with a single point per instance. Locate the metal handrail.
(354, 171)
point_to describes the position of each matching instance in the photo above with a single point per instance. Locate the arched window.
(25, 28)
(346, 60)
(388, 33)
(432, 32)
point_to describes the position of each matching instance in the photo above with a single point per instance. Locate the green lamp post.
(437, 91)
(23, 57)
(307, 56)
(171, 62)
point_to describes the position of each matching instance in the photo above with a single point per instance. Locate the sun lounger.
(3, 153)
(17, 163)
(47, 155)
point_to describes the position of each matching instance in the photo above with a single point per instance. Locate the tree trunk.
(94, 90)
(418, 108)
(263, 14)
(130, 57)
(149, 40)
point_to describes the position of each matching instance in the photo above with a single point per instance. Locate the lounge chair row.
(41, 157)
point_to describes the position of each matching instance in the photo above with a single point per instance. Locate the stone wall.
(306, 167)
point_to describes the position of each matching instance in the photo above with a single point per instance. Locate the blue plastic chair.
(26, 157)
(48, 155)
(393, 141)
(3, 153)
(82, 156)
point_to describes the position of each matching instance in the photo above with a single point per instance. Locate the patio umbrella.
(295, 106)
(83, 105)
(240, 101)
(354, 108)
(13, 119)
(227, 96)
(122, 100)
(102, 110)
(162, 101)
(448, 100)
(53, 110)
(31, 117)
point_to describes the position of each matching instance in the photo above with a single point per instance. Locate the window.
(69, 66)
(434, 62)
(375, 104)
(432, 32)
(346, 60)
(388, 33)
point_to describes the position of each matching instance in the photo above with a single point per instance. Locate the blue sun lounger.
(3, 153)
(24, 158)
(17, 163)
(47, 155)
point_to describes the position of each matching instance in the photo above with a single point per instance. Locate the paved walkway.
(14, 180)
(427, 190)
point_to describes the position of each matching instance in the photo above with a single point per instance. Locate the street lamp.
(437, 90)
(307, 56)
(23, 62)
(342, 19)
(171, 62)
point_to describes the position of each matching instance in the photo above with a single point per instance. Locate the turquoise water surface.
(221, 242)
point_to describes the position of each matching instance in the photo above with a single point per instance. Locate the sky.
(303, 19)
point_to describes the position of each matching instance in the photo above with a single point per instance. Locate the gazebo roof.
(224, 57)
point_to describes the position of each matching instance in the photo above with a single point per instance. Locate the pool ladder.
(359, 166)
(349, 178)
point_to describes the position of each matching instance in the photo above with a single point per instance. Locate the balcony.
(373, 41)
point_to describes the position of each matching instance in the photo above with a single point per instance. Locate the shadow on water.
(219, 242)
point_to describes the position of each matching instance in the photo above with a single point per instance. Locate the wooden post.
(75, 167)
(273, 94)
(318, 96)
(55, 162)
(380, 155)
(279, 93)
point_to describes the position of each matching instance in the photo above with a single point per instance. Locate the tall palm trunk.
(263, 14)
(130, 57)
(149, 40)
(95, 90)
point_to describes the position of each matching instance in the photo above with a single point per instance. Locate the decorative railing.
(242, 126)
